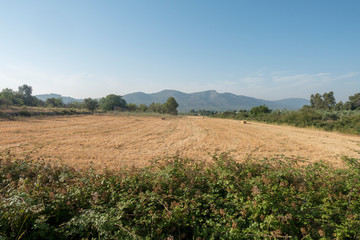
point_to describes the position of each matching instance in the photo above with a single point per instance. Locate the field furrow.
(117, 141)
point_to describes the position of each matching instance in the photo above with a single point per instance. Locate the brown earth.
(117, 141)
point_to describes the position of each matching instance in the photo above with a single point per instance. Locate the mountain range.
(207, 100)
(212, 100)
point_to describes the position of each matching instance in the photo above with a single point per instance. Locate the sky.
(268, 49)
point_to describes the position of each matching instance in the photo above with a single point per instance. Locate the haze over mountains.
(207, 100)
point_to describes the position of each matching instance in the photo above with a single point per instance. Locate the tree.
(255, 111)
(6, 97)
(54, 102)
(143, 108)
(355, 101)
(132, 107)
(91, 104)
(171, 106)
(25, 92)
(112, 101)
(339, 106)
(329, 100)
(347, 106)
(156, 107)
(316, 101)
(9, 97)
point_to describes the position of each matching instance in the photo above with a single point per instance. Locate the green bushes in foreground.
(178, 198)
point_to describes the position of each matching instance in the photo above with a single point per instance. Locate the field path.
(116, 141)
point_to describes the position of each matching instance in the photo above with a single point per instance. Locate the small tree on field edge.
(171, 106)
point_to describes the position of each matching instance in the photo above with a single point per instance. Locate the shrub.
(180, 198)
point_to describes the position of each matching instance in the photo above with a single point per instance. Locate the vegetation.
(177, 198)
(323, 113)
(202, 112)
(327, 102)
(23, 98)
(256, 111)
(170, 106)
(112, 102)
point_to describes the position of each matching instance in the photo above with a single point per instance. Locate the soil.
(117, 141)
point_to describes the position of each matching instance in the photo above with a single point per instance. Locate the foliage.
(9, 97)
(156, 107)
(171, 106)
(91, 104)
(355, 101)
(340, 121)
(132, 107)
(256, 111)
(179, 198)
(54, 102)
(202, 112)
(327, 102)
(111, 102)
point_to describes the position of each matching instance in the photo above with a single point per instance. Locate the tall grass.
(180, 198)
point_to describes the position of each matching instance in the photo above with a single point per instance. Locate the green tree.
(6, 97)
(329, 100)
(25, 92)
(91, 104)
(171, 106)
(255, 111)
(326, 101)
(355, 101)
(54, 102)
(347, 106)
(132, 107)
(9, 97)
(143, 108)
(316, 101)
(112, 101)
(156, 107)
(339, 106)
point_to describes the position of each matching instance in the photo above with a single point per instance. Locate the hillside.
(212, 100)
(208, 100)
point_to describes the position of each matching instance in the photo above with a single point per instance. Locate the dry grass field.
(117, 141)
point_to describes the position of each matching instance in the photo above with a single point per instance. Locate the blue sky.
(270, 49)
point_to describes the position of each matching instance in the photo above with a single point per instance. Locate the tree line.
(323, 112)
(112, 102)
(327, 101)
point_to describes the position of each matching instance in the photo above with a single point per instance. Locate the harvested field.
(117, 141)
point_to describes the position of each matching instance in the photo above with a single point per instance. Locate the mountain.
(207, 100)
(212, 100)
(65, 100)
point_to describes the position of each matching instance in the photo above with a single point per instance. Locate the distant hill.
(66, 100)
(212, 100)
(207, 100)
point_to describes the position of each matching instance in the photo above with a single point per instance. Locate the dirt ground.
(117, 141)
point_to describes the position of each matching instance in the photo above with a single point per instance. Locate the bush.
(255, 111)
(180, 198)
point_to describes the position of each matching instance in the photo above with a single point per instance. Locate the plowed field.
(116, 141)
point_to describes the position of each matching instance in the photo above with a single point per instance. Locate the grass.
(181, 198)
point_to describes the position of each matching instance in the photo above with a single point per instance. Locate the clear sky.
(269, 49)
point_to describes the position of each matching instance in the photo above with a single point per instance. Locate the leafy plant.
(181, 198)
